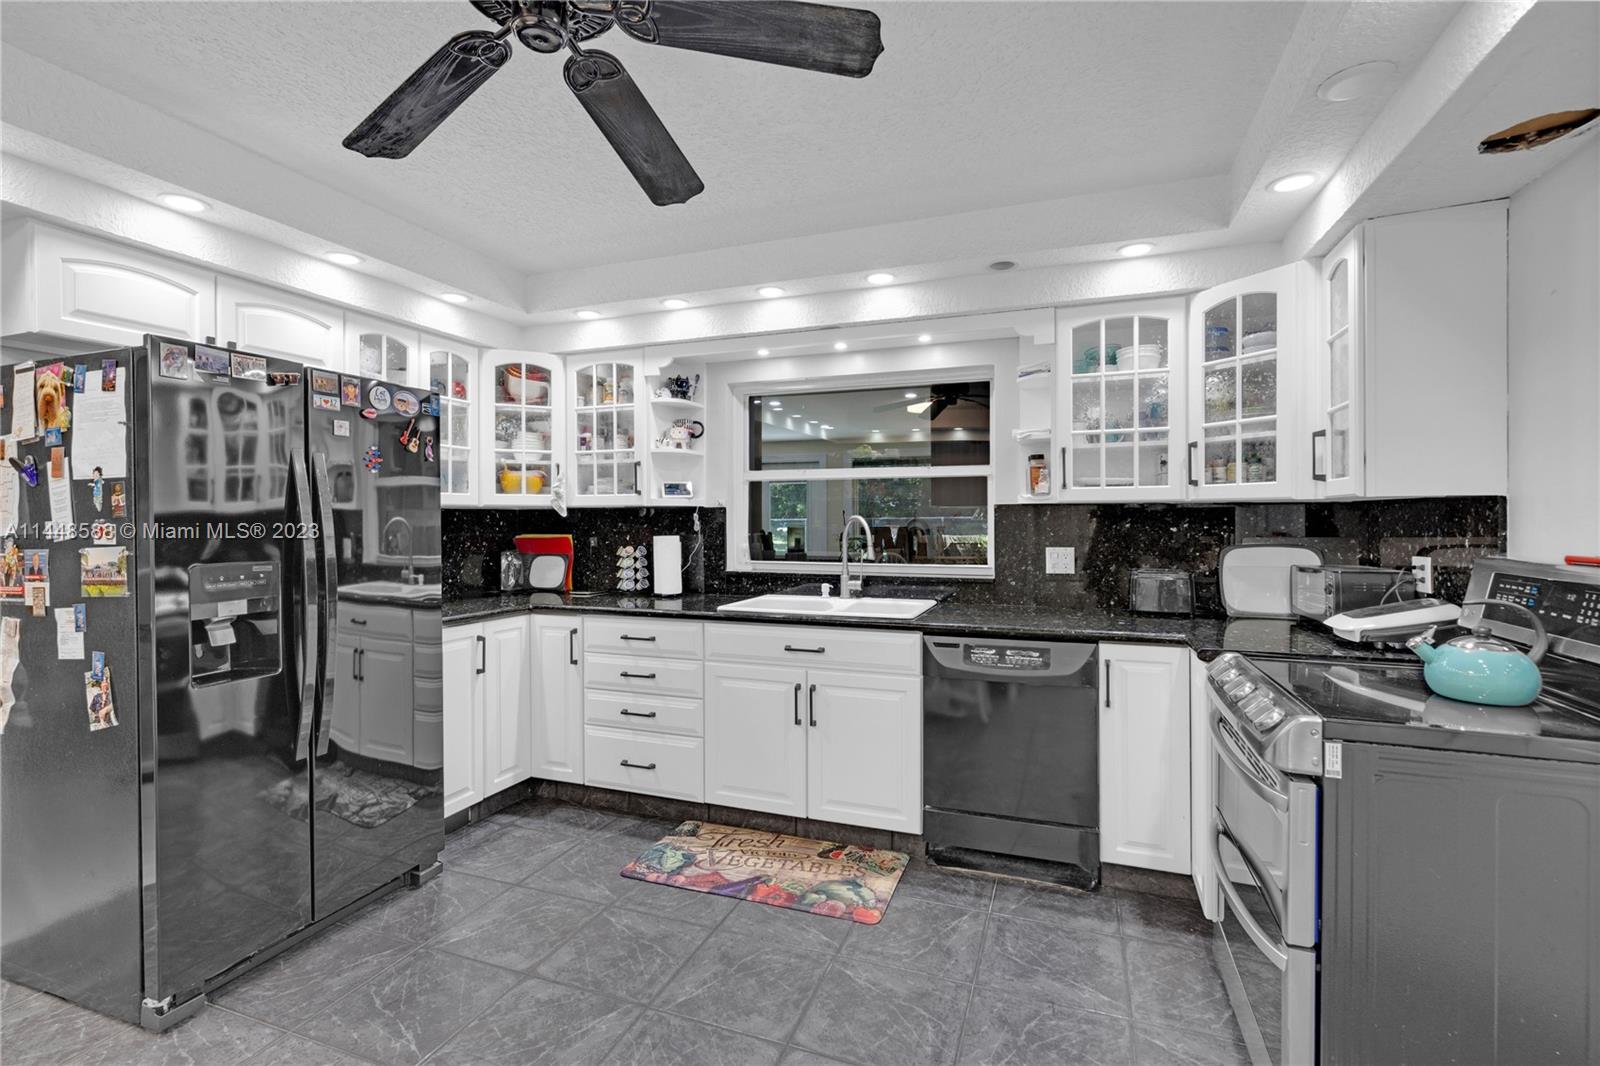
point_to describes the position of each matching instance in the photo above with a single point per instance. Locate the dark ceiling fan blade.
(632, 126)
(833, 40)
(428, 97)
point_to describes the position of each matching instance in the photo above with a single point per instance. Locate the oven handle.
(1275, 951)
(1224, 746)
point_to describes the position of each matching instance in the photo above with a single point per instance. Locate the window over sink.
(913, 458)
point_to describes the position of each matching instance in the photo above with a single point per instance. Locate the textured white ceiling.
(972, 106)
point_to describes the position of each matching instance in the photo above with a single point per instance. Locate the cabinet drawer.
(374, 620)
(647, 677)
(652, 713)
(899, 653)
(631, 636)
(426, 661)
(655, 764)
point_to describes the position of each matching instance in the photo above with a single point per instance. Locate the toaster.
(1319, 592)
(1161, 591)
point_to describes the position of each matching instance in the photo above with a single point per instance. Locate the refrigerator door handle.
(321, 487)
(310, 635)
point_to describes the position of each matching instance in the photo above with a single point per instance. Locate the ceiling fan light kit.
(831, 40)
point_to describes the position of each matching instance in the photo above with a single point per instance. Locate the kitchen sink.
(389, 590)
(830, 606)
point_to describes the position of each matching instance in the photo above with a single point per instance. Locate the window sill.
(868, 570)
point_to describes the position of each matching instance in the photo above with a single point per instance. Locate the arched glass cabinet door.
(1245, 363)
(521, 428)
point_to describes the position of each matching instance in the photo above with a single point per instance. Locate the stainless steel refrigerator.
(211, 816)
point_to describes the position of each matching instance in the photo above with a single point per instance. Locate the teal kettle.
(1479, 667)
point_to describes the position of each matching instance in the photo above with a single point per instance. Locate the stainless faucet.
(409, 574)
(846, 584)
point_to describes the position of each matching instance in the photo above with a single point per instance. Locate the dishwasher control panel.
(1006, 657)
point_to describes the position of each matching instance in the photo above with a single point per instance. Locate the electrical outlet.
(1060, 560)
(1422, 567)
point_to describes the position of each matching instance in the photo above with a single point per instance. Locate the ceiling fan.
(833, 40)
(939, 399)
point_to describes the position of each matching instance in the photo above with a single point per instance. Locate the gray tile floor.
(530, 949)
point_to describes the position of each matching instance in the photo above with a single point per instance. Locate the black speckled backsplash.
(1111, 540)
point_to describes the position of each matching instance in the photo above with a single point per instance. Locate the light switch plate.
(1060, 560)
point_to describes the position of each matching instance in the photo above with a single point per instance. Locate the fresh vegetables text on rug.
(838, 880)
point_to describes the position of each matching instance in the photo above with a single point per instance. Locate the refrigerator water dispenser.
(233, 621)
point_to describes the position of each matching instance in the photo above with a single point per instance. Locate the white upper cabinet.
(375, 348)
(1247, 356)
(521, 422)
(1121, 376)
(607, 421)
(67, 289)
(452, 370)
(274, 322)
(1412, 358)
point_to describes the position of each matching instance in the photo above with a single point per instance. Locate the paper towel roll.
(667, 557)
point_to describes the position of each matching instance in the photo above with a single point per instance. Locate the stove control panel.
(1566, 599)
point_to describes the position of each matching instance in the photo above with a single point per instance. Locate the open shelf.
(1031, 436)
(669, 403)
(678, 451)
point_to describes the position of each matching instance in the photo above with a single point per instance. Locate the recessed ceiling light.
(588, 314)
(924, 338)
(1292, 182)
(755, 400)
(911, 396)
(179, 202)
(880, 278)
(453, 297)
(1002, 264)
(1136, 249)
(826, 426)
(774, 403)
(672, 303)
(1352, 83)
(839, 346)
(811, 421)
(763, 352)
(344, 259)
(769, 291)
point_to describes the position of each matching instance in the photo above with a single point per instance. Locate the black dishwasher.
(1011, 754)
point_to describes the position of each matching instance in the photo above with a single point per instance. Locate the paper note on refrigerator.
(10, 637)
(100, 431)
(24, 417)
(10, 490)
(61, 504)
(69, 638)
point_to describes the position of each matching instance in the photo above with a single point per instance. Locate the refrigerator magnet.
(97, 491)
(406, 403)
(324, 382)
(50, 396)
(103, 532)
(80, 377)
(103, 572)
(378, 397)
(174, 361)
(430, 404)
(427, 449)
(341, 427)
(97, 695)
(325, 403)
(119, 500)
(248, 367)
(108, 375)
(80, 617)
(368, 413)
(209, 360)
(52, 438)
(373, 460)
(30, 471)
(350, 392)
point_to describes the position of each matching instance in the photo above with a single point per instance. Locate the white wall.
(1553, 504)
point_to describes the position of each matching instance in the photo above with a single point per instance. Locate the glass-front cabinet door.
(1121, 369)
(521, 428)
(607, 418)
(386, 350)
(1245, 363)
(452, 373)
(1335, 438)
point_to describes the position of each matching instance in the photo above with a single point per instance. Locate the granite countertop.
(1209, 637)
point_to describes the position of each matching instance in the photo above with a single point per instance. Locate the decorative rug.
(838, 880)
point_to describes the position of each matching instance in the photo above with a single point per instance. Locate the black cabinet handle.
(572, 647)
(1108, 684)
(647, 640)
(1314, 475)
(358, 621)
(1063, 466)
(638, 765)
(640, 677)
(808, 651)
(483, 655)
(1189, 461)
(637, 714)
(355, 658)
(811, 706)
(797, 703)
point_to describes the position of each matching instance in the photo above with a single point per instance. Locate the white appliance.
(1254, 579)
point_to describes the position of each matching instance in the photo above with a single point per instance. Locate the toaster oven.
(1319, 592)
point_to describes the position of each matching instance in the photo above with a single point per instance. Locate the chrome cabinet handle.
(483, 655)
(811, 706)
(638, 765)
(1324, 435)
(639, 677)
(1189, 462)
(808, 651)
(637, 714)
(797, 703)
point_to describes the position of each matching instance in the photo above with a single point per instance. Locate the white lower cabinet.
(838, 745)
(756, 737)
(1145, 756)
(656, 764)
(487, 710)
(557, 733)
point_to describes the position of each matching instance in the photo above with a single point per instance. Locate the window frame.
(739, 502)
